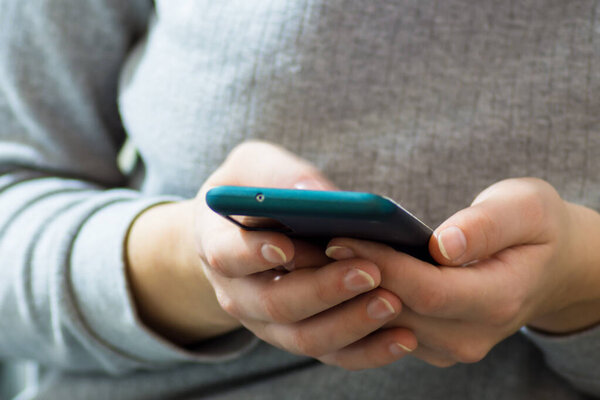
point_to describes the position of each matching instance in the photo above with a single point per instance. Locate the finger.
(307, 255)
(509, 213)
(234, 252)
(462, 341)
(415, 281)
(433, 357)
(335, 328)
(492, 290)
(292, 297)
(257, 163)
(381, 348)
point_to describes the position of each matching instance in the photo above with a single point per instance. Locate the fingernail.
(339, 252)
(358, 281)
(290, 265)
(380, 308)
(398, 349)
(452, 243)
(273, 254)
(309, 184)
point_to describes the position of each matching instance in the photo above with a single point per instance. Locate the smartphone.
(321, 215)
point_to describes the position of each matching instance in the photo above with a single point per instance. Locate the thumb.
(509, 213)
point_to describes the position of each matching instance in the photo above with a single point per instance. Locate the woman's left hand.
(518, 255)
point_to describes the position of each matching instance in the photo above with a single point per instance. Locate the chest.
(427, 102)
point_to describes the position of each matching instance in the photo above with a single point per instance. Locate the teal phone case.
(322, 215)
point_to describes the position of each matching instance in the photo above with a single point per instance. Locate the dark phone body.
(322, 215)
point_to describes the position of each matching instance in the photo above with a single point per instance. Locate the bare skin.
(520, 255)
(194, 275)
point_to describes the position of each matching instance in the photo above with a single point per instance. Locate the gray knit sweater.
(426, 101)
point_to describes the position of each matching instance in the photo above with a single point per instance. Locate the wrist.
(170, 291)
(582, 306)
(577, 317)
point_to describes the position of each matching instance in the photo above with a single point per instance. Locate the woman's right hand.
(218, 276)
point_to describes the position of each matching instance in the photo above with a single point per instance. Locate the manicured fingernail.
(398, 349)
(339, 252)
(358, 281)
(380, 308)
(273, 254)
(452, 243)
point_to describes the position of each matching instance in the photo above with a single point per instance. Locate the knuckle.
(240, 149)
(303, 343)
(216, 264)
(469, 353)
(267, 333)
(228, 305)
(430, 301)
(359, 327)
(504, 314)
(491, 230)
(275, 310)
(322, 292)
(250, 148)
(534, 198)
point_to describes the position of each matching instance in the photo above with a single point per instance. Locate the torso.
(427, 102)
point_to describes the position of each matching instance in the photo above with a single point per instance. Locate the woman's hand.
(519, 255)
(196, 277)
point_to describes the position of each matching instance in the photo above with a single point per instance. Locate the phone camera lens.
(260, 197)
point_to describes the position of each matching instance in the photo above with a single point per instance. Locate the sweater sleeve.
(573, 356)
(64, 208)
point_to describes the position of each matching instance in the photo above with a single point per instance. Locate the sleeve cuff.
(104, 301)
(575, 356)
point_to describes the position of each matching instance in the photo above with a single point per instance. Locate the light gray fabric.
(424, 101)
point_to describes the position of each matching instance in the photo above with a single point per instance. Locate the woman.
(122, 284)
